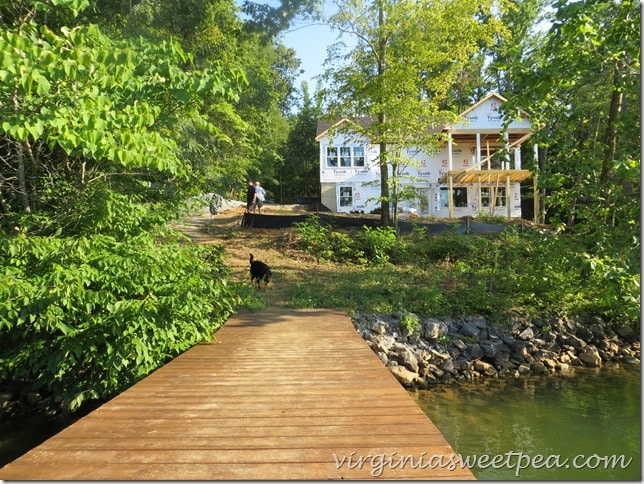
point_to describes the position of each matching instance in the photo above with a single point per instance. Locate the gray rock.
(379, 327)
(461, 364)
(523, 369)
(526, 334)
(590, 356)
(448, 367)
(585, 334)
(479, 321)
(405, 357)
(403, 375)
(630, 360)
(216, 204)
(574, 341)
(490, 350)
(563, 367)
(384, 343)
(440, 355)
(434, 329)
(458, 344)
(474, 351)
(538, 368)
(470, 330)
(436, 371)
(383, 357)
(484, 368)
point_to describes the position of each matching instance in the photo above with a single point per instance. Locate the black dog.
(259, 271)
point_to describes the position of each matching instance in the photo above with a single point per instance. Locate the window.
(497, 157)
(459, 196)
(358, 156)
(346, 196)
(499, 196)
(331, 156)
(347, 156)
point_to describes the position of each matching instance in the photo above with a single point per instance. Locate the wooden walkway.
(279, 395)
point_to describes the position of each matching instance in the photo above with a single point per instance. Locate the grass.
(497, 275)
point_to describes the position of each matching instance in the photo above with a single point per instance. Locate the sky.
(310, 41)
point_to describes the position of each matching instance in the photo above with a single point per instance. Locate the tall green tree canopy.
(583, 87)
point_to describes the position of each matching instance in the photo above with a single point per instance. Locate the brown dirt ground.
(276, 247)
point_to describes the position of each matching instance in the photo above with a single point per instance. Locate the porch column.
(480, 196)
(508, 198)
(506, 137)
(535, 148)
(478, 147)
(535, 198)
(517, 158)
(450, 198)
(449, 152)
(539, 199)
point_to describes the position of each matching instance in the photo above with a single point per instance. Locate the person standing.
(251, 197)
(260, 197)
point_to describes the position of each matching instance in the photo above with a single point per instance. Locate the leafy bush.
(377, 243)
(369, 246)
(314, 237)
(85, 317)
(450, 274)
(409, 322)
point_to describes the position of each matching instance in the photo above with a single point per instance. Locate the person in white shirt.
(260, 197)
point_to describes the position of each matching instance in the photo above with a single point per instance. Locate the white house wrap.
(480, 165)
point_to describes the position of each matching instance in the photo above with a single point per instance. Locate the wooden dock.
(294, 394)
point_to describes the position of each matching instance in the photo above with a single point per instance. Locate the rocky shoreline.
(422, 352)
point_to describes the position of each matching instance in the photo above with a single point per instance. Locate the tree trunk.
(384, 186)
(614, 113)
(22, 182)
(541, 159)
(384, 172)
(4, 208)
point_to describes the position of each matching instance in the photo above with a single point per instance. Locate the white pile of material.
(215, 203)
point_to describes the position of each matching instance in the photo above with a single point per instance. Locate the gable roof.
(481, 101)
(324, 125)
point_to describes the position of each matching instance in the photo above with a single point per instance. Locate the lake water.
(545, 425)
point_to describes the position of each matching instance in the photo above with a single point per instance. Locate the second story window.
(331, 156)
(358, 156)
(346, 156)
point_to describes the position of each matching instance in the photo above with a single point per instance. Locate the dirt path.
(274, 246)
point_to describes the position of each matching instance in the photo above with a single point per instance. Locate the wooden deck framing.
(279, 395)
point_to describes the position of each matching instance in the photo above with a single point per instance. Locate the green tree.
(583, 87)
(402, 70)
(78, 106)
(253, 127)
(96, 292)
(299, 173)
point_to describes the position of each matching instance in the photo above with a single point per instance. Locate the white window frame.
(346, 156)
(330, 156)
(444, 201)
(346, 196)
(501, 196)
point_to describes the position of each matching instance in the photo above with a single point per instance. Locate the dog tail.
(251, 257)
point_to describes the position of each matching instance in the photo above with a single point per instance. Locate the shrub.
(377, 243)
(85, 317)
(314, 238)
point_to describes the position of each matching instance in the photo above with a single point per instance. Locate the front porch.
(489, 184)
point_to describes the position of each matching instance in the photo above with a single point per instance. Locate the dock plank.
(292, 394)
